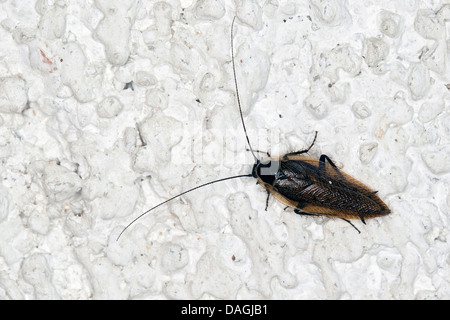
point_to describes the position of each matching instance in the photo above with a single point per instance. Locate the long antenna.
(179, 195)
(237, 91)
(215, 181)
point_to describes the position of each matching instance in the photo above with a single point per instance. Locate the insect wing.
(320, 188)
(328, 172)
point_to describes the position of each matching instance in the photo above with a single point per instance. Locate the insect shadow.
(311, 187)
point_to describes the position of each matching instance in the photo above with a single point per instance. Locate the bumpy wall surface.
(109, 107)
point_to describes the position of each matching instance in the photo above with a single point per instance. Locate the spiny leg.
(322, 162)
(303, 151)
(259, 151)
(362, 219)
(267, 200)
(297, 211)
(348, 221)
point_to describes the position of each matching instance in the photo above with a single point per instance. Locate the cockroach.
(309, 186)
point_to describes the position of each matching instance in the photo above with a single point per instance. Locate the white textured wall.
(81, 156)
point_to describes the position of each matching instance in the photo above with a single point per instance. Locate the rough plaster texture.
(109, 107)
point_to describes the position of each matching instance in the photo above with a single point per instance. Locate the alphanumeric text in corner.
(228, 309)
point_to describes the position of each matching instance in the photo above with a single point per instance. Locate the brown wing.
(335, 173)
(302, 184)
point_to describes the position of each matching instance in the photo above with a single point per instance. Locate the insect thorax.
(266, 170)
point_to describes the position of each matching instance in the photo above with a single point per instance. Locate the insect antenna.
(179, 195)
(237, 91)
(215, 181)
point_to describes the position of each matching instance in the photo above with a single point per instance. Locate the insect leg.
(300, 206)
(297, 211)
(259, 151)
(303, 151)
(267, 200)
(303, 213)
(322, 162)
(348, 221)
